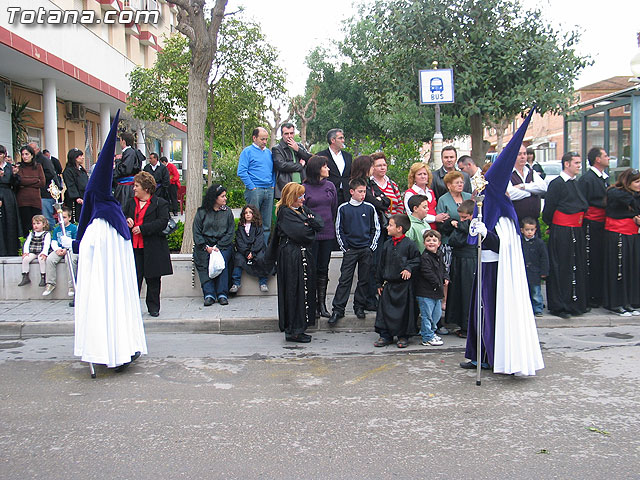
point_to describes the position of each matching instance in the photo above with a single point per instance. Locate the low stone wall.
(181, 284)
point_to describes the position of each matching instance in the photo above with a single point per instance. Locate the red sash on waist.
(595, 214)
(625, 226)
(568, 220)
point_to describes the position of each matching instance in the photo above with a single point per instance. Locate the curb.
(251, 325)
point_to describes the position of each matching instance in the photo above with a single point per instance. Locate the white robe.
(517, 348)
(108, 321)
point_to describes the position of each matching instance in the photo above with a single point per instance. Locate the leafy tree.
(202, 34)
(505, 59)
(242, 73)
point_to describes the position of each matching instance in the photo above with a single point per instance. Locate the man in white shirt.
(526, 189)
(339, 163)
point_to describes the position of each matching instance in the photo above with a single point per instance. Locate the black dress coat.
(10, 228)
(157, 260)
(397, 314)
(162, 178)
(336, 178)
(127, 166)
(294, 233)
(75, 179)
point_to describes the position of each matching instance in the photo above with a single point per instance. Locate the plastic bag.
(216, 263)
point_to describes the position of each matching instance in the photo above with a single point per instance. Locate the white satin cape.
(108, 322)
(517, 348)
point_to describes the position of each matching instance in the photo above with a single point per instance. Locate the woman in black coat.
(147, 216)
(10, 230)
(75, 178)
(296, 229)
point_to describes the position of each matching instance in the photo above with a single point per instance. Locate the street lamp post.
(437, 136)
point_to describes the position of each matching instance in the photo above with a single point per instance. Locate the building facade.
(68, 61)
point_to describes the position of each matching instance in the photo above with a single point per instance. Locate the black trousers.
(153, 283)
(352, 257)
(173, 197)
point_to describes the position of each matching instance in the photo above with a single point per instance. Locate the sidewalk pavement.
(243, 315)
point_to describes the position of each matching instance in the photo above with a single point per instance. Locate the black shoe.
(372, 307)
(154, 314)
(208, 301)
(25, 280)
(299, 338)
(335, 316)
(360, 313)
(223, 301)
(472, 365)
(564, 315)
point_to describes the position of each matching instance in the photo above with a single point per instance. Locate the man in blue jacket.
(255, 169)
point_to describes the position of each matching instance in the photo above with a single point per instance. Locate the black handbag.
(171, 227)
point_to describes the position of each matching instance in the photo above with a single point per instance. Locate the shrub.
(175, 238)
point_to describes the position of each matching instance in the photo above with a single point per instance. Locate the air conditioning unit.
(76, 112)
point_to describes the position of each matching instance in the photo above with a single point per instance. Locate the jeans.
(263, 199)
(430, 311)
(47, 211)
(53, 260)
(219, 286)
(535, 293)
(236, 277)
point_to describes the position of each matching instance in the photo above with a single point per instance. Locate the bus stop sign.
(436, 86)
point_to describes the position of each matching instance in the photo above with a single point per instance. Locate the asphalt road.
(251, 406)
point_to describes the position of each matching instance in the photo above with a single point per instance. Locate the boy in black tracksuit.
(536, 262)
(357, 232)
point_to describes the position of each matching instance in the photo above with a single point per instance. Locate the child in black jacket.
(429, 287)
(536, 261)
(249, 249)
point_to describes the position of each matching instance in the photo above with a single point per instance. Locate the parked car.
(551, 169)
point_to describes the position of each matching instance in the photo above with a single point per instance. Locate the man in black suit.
(160, 174)
(339, 163)
(449, 157)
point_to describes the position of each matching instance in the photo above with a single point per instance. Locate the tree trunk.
(203, 44)
(196, 117)
(212, 137)
(499, 137)
(478, 150)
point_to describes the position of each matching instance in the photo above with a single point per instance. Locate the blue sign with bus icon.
(436, 85)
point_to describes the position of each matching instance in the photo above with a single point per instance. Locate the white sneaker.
(434, 342)
(437, 337)
(625, 314)
(635, 313)
(234, 289)
(48, 290)
(264, 288)
(71, 292)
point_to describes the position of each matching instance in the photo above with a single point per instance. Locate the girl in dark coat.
(10, 230)
(75, 178)
(250, 249)
(147, 216)
(295, 232)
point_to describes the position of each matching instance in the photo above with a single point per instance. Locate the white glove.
(66, 242)
(477, 227)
